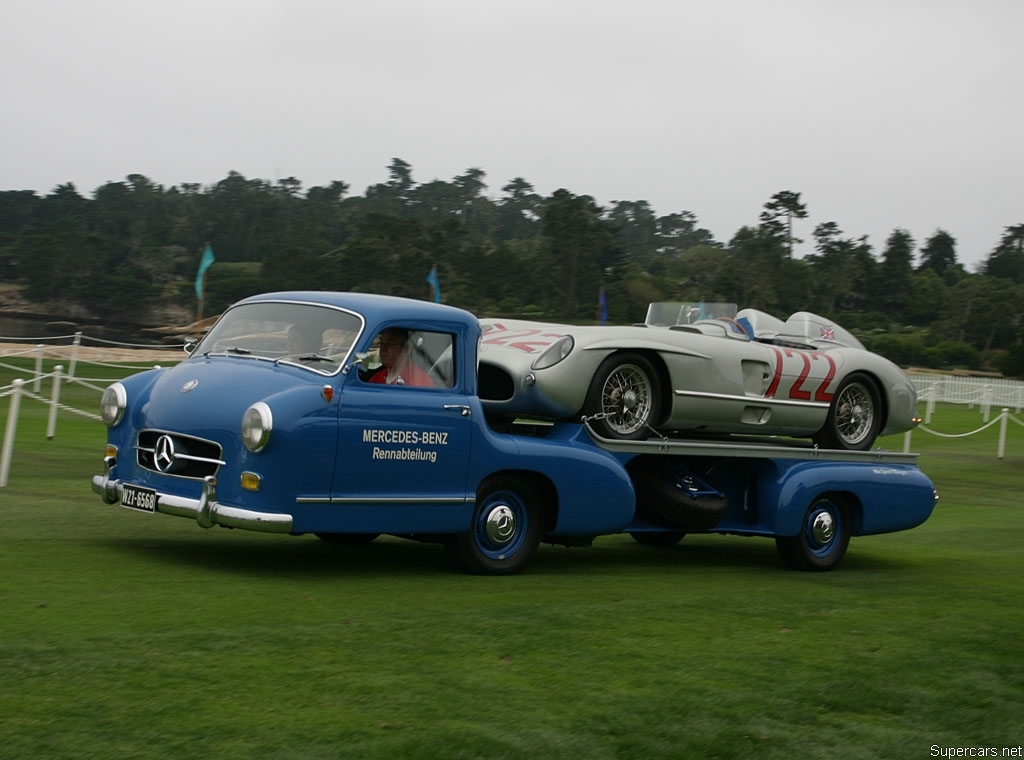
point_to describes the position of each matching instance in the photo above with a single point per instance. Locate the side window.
(412, 357)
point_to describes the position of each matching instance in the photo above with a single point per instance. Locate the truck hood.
(212, 393)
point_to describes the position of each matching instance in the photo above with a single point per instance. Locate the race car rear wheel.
(625, 396)
(823, 537)
(506, 529)
(854, 417)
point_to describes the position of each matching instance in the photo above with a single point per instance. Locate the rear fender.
(883, 498)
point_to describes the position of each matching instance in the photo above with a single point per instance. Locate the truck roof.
(372, 304)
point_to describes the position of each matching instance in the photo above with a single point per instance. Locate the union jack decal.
(828, 332)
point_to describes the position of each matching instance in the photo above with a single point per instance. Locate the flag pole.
(204, 264)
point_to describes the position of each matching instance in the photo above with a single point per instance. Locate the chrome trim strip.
(403, 500)
(189, 457)
(756, 400)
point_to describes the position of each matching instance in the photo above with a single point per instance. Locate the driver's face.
(391, 346)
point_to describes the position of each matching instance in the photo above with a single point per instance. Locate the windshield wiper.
(304, 358)
(229, 350)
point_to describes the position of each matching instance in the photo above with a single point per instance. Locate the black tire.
(348, 539)
(854, 417)
(626, 392)
(671, 495)
(823, 538)
(505, 532)
(660, 538)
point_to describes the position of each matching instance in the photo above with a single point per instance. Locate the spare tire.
(669, 493)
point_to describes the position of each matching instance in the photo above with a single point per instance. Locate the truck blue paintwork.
(347, 459)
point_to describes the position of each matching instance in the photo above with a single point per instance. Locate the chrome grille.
(175, 454)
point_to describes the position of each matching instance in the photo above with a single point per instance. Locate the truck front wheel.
(505, 531)
(823, 537)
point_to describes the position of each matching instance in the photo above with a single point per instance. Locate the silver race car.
(696, 369)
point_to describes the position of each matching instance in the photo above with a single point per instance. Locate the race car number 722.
(529, 340)
(789, 356)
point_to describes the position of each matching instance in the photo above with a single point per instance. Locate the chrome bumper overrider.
(206, 511)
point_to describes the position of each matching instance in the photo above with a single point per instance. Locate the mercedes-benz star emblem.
(163, 454)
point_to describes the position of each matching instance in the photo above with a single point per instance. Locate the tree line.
(135, 243)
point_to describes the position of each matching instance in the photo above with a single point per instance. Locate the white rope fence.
(985, 392)
(21, 388)
(51, 348)
(1002, 420)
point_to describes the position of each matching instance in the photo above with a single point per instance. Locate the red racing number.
(501, 336)
(797, 391)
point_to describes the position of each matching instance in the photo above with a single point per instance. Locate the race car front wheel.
(854, 417)
(624, 397)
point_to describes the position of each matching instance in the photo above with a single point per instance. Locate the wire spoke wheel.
(854, 417)
(624, 396)
(855, 413)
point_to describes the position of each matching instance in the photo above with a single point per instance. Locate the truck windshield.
(317, 337)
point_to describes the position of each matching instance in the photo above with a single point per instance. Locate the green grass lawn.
(130, 635)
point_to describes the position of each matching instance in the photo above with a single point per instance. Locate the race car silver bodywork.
(700, 368)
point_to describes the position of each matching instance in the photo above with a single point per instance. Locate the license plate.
(142, 499)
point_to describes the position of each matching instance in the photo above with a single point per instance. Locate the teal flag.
(204, 264)
(435, 284)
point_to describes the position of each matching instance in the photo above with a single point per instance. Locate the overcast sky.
(881, 113)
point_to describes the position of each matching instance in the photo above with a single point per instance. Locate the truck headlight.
(257, 424)
(113, 402)
(554, 353)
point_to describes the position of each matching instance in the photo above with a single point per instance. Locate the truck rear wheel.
(505, 531)
(823, 537)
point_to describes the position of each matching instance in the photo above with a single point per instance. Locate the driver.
(397, 368)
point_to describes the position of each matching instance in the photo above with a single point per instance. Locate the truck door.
(406, 446)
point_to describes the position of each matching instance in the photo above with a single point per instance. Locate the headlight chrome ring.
(554, 353)
(257, 424)
(113, 404)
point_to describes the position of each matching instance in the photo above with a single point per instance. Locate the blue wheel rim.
(823, 528)
(501, 525)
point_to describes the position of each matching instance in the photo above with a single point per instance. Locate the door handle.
(463, 409)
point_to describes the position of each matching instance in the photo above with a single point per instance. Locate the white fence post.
(39, 368)
(986, 402)
(12, 425)
(74, 356)
(906, 442)
(51, 424)
(930, 407)
(1002, 433)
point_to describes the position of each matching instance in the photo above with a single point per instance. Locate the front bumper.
(205, 510)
